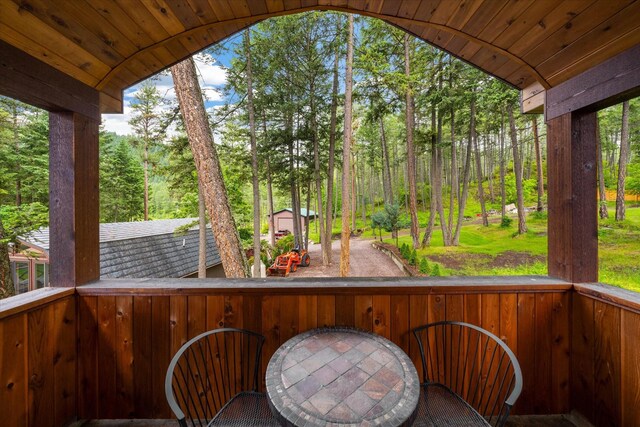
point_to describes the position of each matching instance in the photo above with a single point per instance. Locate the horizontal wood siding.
(605, 382)
(135, 336)
(38, 360)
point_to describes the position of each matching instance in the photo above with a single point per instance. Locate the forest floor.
(365, 261)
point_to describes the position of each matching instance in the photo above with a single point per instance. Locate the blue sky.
(213, 77)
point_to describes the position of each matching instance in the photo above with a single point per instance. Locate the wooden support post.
(74, 199)
(573, 223)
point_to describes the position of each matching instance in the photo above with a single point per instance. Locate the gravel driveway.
(365, 261)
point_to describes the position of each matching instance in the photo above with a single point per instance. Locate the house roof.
(144, 248)
(303, 212)
(113, 45)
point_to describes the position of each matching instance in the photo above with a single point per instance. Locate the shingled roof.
(145, 248)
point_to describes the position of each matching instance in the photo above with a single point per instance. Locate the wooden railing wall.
(38, 359)
(129, 332)
(605, 382)
(103, 353)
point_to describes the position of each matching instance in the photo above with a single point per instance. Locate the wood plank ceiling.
(112, 44)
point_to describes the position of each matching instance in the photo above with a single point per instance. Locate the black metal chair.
(470, 376)
(213, 381)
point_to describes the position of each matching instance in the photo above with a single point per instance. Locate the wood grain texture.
(571, 163)
(41, 347)
(582, 357)
(607, 364)
(509, 315)
(630, 369)
(65, 361)
(13, 370)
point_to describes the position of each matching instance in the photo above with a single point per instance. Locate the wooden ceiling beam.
(606, 84)
(30, 80)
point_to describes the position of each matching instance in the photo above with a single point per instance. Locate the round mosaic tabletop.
(342, 377)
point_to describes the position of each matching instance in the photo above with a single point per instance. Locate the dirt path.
(365, 262)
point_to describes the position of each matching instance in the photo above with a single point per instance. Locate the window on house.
(42, 275)
(21, 277)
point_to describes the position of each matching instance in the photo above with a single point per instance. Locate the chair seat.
(247, 409)
(438, 407)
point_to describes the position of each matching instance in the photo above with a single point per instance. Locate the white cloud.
(211, 78)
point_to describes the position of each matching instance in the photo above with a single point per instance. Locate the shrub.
(539, 215)
(413, 257)
(506, 222)
(424, 266)
(404, 251)
(436, 270)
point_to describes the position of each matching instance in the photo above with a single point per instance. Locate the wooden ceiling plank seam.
(164, 16)
(622, 43)
(612, 28)
(339, 3)
(222, 9)
(183, 12)
(292, 4)
(469, 50)
(203, 11)
(390, 8)
(176, 49)
(567, 35)
(164, 55)
(74, 56)
(408, 8)
(128, 27)
(520, 78)
(143, 18)
(444, 11)
(426, 10)
(95, 24)
(502, 21)
(554, 20)
(529, 18)
(374, 6)
(455, 44)
(465, 11)
(427, 34)
(55, 31)
(489, 61)
(257, 7)
(443, 38)
(483, 16)
(240, 8)
(356, 4)
(274, 6)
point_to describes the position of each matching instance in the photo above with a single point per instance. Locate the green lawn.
(495, 250)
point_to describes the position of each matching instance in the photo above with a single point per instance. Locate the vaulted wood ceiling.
(112, 44)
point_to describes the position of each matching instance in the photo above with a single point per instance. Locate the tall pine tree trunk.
(346, 157)
(272, 224)
(536, 142)
(517, 170)
(202, 235)
(386, 169)
(455, 240)
(454, 172)
(146, 181)
(327, 238)
(446, 237)
(208, 167)
(316, 159)
(483, 210)
(433, 201)
(254, 159)
(604, 212)
(622, 162)
(411, 156)
(503, 192)
(7, 288)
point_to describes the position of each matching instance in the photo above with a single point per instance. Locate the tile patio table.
(342, 377)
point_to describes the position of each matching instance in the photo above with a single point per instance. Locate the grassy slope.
(619, 247)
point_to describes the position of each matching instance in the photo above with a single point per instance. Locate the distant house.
(283, 220)
(127, 249)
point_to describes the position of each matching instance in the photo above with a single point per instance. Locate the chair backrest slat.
(209, 370)
(473, 363)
